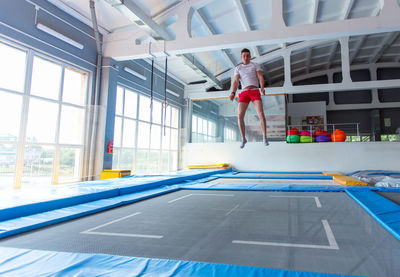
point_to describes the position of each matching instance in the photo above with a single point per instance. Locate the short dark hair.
(245, 50)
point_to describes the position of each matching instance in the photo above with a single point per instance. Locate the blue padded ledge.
(84, 192)
(385, 189)
(310, 177)
(25, 262)
(39, 207)
(386, 212)
(262, 187)
(283, 172)
(27, 223)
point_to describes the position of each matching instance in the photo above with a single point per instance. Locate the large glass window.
(156, 146)
(12, 68)
(203, 130)
(43, 119)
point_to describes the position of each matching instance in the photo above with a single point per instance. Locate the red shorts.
(249, 95)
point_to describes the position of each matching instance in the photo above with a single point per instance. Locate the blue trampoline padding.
(386, 212)
(283, 172)
(272, 187)
(27, 223)
(386, 189)
(84, 192)
(310, 177)
(25, 262)
(39, 207)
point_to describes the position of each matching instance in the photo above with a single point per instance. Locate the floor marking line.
(111, 222)
(200, 194)
(329, 234)
(171, 201)
(229, 212)
(123, 235)
(317, 202)
(283, 244)
(316, 198)
(331, 239)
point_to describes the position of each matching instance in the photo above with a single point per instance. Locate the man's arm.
(235, 86)
(261, 80)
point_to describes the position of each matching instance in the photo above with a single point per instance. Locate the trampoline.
(317, 232)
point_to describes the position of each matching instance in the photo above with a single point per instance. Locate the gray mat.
(285, 230)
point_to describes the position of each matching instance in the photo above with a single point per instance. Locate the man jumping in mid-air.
(249, 74)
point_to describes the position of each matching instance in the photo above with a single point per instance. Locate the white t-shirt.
(248, 74)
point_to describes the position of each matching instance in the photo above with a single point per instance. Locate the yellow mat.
(200, 166)
(349, 181)
(109, 173)
(332, 173)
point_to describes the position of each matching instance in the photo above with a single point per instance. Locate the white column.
(344, 46)
(287, 68)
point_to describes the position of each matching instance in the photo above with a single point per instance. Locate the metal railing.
(351, 129)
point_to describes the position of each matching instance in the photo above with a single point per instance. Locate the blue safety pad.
(269, 187)
(283, 172)
(50, 201)
(37, 200)
(386, 212)
(385, 189)
(26, 223)
(309, 177)
(25, 262)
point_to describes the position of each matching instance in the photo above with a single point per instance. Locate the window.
(155, 149)
(203, 130)
(229, 134)
(52, 141)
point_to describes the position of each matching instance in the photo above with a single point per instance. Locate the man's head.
(246, 56)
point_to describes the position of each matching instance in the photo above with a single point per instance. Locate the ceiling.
(230, 16)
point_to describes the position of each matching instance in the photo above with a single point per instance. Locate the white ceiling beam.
(347, 86)
(212, 31)
(133, 11)
(348, 5)
(386, 43)
(387, 21)
(314, 11)
(246, 23)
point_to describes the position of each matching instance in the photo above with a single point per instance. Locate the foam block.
(349, 181)
(332, 173)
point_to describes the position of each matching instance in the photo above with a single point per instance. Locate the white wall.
(280, 156)
(299, 111)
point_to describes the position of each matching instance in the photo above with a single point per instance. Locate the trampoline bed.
(323, 232)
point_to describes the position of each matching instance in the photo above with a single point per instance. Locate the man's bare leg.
(260, 111)
(241, 112)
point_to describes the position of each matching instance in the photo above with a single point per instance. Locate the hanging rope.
(151, 93)
(165, 93)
